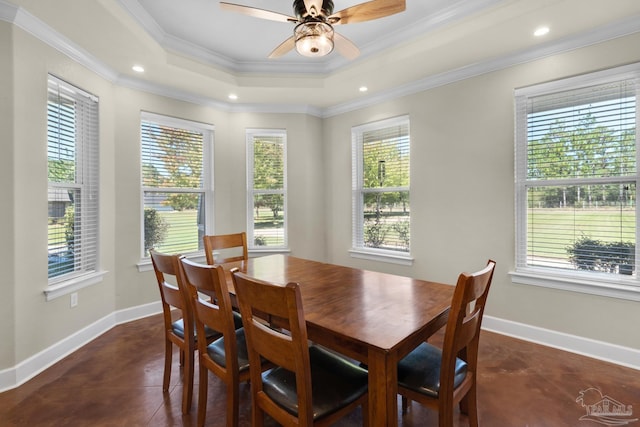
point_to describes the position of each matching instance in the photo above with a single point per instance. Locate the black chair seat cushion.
(420, 370)
(335, 383)
(216, 352)
(178, 327)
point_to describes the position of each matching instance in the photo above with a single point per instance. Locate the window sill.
(72, 285)
(627, 289)
(145, 264)
(401, 258)
(264, 251)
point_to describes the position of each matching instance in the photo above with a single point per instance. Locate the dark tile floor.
(116, 380)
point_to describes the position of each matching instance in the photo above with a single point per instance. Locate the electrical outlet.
(74, 299)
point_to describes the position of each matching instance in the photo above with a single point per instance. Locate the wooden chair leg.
(471, 406)
(168, 352)
(187, 392)
(257, 415)
(202, 395)
(445, 417)
(365, 412)
(233, 404)
(464, 405)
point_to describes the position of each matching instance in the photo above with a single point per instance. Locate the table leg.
(383, 389)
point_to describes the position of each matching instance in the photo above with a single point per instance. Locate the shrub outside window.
(576, 177)
(380, 183)
(176, 183)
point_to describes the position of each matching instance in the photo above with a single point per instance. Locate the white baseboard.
(29, 368)
(624, 356)
(135, 313)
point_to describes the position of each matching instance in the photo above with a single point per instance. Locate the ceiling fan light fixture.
(313, 39)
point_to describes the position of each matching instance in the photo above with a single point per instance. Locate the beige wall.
(304, 188)
(32, 324)
(7, 236)
(461, 196)
(462, 192)
(38, 324)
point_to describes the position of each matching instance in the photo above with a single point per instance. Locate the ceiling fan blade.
(373, 9)
(257, 13)
(284, 47)
(314, 7)
(345, 47)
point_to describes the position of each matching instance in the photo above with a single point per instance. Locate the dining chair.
(441, 378)
(227, 356)
(179, 332)
(229, 247)
(285, 391)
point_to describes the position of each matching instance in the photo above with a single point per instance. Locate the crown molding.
(322, 67)
(622, 28)
(456, 11)
(169, 92)
(178, 45)
(180, 95)
(43, 32)
(8, 11)
(23, 19)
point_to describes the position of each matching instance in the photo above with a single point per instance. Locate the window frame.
(358, 249)
(87, 182)
(588, 282)
(207, 189)
(251, 135)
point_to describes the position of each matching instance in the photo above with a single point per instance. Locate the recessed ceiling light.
(363, 89)
(541, 31)
(138, 68)
(233, 96)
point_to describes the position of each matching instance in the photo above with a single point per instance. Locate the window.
(380, 182)
(72, 160)
(267, 189)
(576, 177)
(176, 183)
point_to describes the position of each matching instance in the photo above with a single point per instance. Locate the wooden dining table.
(372, 317)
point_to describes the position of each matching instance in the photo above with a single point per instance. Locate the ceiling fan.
(313, 34)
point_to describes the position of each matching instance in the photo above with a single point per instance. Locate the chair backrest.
(463, 326)
(286, 346)
(172, 294)
(230, 247)
(215, 313)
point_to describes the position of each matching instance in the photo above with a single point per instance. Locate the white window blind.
(380, 183)
(267, 201)
(576, 178)
(72, 157)
(176, 183)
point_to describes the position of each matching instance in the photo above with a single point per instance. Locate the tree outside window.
(576, 179)
(381, 206)
(176, 183)
(266, 188)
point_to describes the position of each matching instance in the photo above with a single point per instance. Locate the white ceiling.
(243, 42)
(192, 49)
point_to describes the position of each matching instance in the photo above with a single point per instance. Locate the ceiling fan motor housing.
(301, 10)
